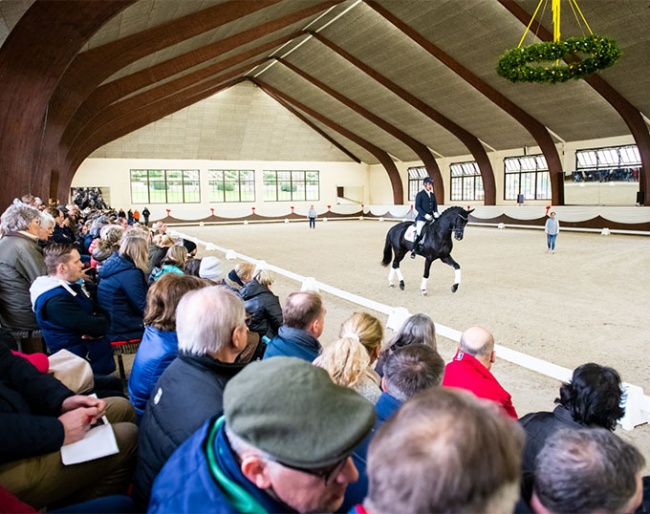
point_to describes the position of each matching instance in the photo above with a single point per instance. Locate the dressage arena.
(588, 302)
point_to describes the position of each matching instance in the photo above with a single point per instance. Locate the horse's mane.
(446, 219)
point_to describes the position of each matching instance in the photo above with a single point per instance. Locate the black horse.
(435, 244)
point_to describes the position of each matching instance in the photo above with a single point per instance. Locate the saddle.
(410, 234)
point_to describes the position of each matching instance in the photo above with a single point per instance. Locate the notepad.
(99, 442)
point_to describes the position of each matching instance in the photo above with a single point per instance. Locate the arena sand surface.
(588, 302)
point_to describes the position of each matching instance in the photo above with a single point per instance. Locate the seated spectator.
(444, 451)
(587, 471)
(21, 262)
(122, 289)
(193, 267)
(470, 369)
(304, 320)
(38, 415)
(591, 400)
(174, 262)
(158, 247)
(211, 269)
(190, 390)
(284, 445)
(408, 371)
(62, 232)
(262, 305)
(159, 346)
(349, 360)
(109, 243)
(239, 275)
(66, 312)
(417, 329)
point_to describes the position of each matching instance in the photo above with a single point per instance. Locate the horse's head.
(459, 222)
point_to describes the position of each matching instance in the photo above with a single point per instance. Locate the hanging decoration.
(516, 64)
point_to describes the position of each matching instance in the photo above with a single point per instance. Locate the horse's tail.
(388, 251)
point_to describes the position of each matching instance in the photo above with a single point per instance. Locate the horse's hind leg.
(396, 271)
(456, 266)
(425, 277)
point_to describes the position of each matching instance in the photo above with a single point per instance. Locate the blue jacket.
(156, 351)
(65, 314)
(425, 203)
(122, 293)
(189, 392)
(293, 342)
(385, 407)
(203, 476)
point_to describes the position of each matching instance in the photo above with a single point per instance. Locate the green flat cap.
(293, 411)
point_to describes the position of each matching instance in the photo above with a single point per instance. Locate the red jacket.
(467, 372)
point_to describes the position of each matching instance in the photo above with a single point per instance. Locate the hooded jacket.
(264, 308)
(122, 294)
(293, 342)
(66, 313)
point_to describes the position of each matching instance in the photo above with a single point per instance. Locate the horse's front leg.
(456, 266)
(395, 271)
(425, 277)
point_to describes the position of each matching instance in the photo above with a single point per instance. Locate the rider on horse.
(427, 207)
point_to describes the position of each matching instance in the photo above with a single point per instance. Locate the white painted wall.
(114, 173)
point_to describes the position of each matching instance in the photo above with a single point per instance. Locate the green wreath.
(514, 64)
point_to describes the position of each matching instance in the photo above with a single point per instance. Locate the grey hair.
(242, 448)
(47, 219)
(412, 369)
(418, 329)
(206, 318)
(586, 470)
(19, 216)
(111, 233)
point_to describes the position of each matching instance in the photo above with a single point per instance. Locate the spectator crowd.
(234, 404)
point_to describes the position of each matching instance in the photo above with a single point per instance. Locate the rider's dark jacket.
(425, 203)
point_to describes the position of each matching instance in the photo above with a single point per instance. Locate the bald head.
(479, 343)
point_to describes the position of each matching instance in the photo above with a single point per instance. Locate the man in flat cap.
(283, 445)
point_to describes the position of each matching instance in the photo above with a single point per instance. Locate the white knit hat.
(211, 269)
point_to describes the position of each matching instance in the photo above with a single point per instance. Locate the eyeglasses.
(326, 474)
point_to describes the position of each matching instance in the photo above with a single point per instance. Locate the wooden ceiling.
(374, 81)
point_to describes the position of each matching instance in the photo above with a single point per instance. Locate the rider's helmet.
(427, 180)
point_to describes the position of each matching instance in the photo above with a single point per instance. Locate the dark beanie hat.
(293, 411)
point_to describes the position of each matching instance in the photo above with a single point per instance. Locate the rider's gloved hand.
(427, 217)
(436, 215)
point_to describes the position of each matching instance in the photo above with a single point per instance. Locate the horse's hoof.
(391, 285)
(454, 288)
(424, 292)
(401, 285)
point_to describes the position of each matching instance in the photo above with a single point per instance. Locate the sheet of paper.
(99, 442)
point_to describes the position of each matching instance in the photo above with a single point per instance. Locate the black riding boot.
(415, 245)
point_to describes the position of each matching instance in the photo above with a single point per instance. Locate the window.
(529, 176)
(415, 180)
(165, 186)
(466, 181)
(231, 186)
(285, 186)
(618, 163)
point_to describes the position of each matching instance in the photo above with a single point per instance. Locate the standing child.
(552, 228)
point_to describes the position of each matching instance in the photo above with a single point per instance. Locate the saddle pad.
(409, 235)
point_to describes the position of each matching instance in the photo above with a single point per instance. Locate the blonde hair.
(245, 270)
(177, 256)
(135, 247)
(264, 277)
(368, 330)
(111, 234)
(346, 361)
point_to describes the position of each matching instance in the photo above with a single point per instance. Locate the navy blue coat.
(122, 294)
(293, 342)
(425, 203)
(264, 308)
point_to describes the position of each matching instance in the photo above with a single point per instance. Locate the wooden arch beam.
(166, 88)
(32, 61)
(382, 157)
(150, 106)
(630, 114)
(532, 125)
(420, 149)
(113, 91)
(468, 139)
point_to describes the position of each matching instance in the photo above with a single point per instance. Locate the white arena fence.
(636, 403)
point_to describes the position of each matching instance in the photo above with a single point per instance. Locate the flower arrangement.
(514, 65)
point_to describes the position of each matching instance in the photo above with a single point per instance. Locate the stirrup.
(413, 254)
